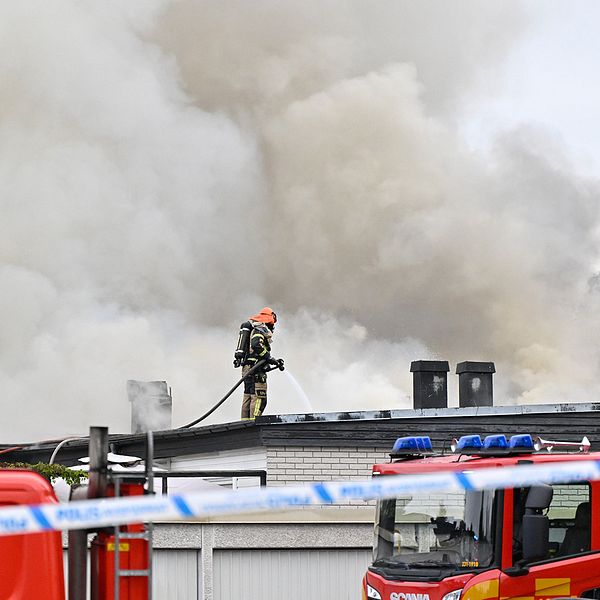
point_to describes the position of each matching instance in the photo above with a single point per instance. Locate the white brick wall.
(288, 465)
(295, 465)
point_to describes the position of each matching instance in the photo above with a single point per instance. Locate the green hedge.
(50, 472)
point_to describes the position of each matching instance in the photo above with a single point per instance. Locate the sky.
(400, 181)
(547, 80)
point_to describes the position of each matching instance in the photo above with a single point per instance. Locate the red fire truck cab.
(533, 543)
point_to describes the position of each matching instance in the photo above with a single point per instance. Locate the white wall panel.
(246, 458)
(175, 574)
(228, 460)
(330, 574)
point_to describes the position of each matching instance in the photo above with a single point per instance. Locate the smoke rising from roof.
(170, 167)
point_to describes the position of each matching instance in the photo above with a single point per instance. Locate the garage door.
(329, 574)
(175, 574)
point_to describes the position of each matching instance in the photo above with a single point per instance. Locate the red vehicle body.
(470, 546)
(31, 565)
(133, 556)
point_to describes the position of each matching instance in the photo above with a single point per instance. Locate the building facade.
(317, 552)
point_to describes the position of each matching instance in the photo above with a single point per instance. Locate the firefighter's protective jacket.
(260, 343)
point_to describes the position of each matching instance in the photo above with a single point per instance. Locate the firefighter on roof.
(254, 344)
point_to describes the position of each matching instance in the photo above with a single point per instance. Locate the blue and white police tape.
(90, 514)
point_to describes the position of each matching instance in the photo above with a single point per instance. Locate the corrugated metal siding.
(175, 574)
(331, 574)
(174, 577)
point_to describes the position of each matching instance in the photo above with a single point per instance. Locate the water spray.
(299, 391)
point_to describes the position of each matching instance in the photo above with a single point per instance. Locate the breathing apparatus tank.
(243, 345)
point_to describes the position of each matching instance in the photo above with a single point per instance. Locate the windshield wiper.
(390, 562)
(424, 564)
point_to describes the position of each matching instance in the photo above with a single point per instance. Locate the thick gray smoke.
(168, 168)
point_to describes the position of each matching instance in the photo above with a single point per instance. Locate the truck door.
(572, 564)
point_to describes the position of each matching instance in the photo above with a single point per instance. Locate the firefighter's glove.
(237, 363)
(276, 363)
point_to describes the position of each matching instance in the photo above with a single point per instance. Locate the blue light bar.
(522, 443)
(412, 445)
(424, 443)
(467, 444)
(495, 443)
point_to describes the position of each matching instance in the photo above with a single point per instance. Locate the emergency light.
(494, 444)
(522, 443)
(425, 443)
(467, 444)
(412, 445)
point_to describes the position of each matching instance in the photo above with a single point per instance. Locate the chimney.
(151, 405)
(475, 386)
(430, 383)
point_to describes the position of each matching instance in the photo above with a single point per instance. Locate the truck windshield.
(451, 530)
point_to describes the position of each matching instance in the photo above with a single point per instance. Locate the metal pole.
(150, 461)
(150, 525)
(77, 555)
(98, 475)
(77, 562)
(77, 558)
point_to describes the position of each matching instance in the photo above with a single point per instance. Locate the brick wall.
(288, 465)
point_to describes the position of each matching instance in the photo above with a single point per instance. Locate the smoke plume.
(168, 168)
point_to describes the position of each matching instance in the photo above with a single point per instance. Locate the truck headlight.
(455, 595)
(373, 593)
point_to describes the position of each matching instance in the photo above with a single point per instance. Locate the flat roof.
(369, 429)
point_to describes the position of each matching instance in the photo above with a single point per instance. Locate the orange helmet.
(266, 315)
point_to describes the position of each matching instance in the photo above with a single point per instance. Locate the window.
(453, 530)
(569, 520)
(569, 516)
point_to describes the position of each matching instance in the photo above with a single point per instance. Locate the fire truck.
(529, 543)
(119, 558)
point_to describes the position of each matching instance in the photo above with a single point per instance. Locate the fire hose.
(278, 364)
